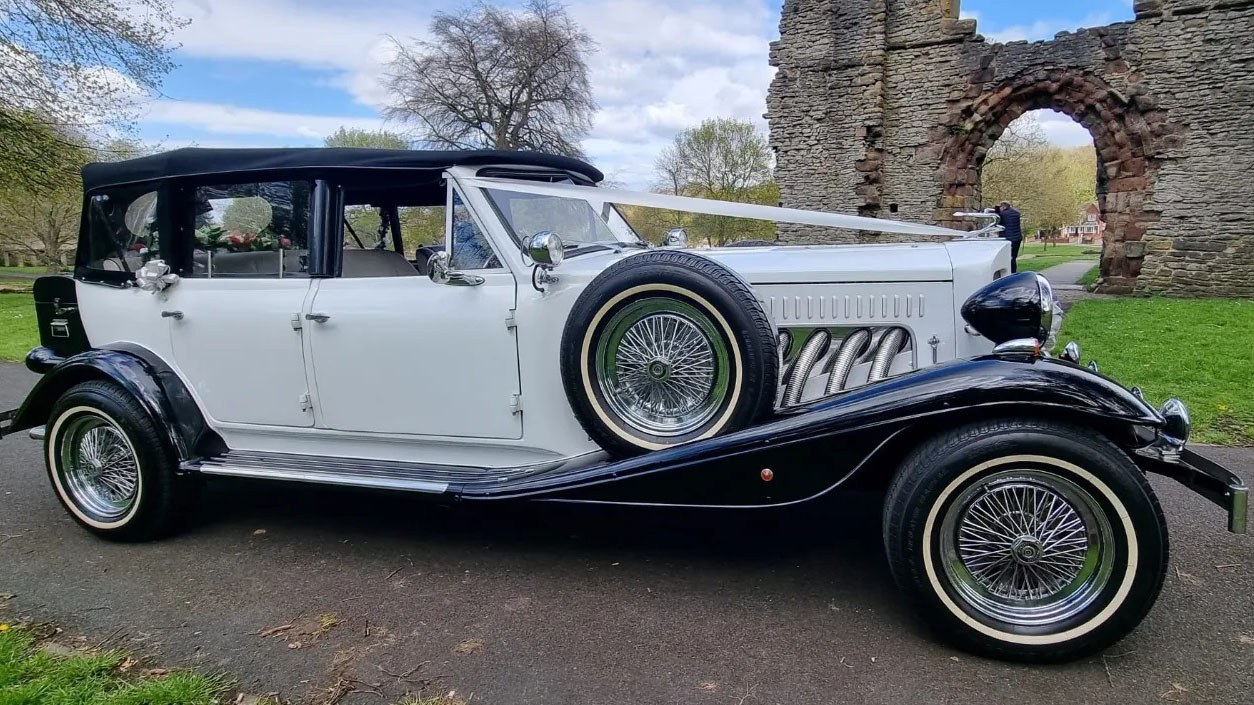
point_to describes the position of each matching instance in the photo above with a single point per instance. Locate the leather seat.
(376, 263)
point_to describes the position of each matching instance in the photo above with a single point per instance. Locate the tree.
(498, 79)
(374, 139)
(723, 159)
(1048, 185)
(69, 67)
(40, 221)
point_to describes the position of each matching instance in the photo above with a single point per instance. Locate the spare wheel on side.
(666, 347)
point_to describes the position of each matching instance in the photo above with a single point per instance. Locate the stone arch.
(1122, 134)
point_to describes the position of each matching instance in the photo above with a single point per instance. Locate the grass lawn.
(19, 331)
(1035, 256)
(1090, 277)
(1200, 350)
(53, 674)
(32, 676)
(25, 270)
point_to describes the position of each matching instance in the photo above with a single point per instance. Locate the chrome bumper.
(1205, 477)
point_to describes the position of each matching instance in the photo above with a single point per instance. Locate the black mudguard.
(811, 450)
(136, 370)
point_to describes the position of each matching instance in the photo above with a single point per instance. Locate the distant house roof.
(197, 161)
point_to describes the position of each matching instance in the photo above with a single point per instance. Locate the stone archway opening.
(1045, 164)
(1121, 136)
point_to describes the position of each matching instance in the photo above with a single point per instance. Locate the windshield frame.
(608, 216)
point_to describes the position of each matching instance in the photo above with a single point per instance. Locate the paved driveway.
(533, 604)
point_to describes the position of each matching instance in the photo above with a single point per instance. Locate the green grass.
(31, 676)
(1090, 277)
(1200, 350)
(1035, 256)
(25, 270)
(19, 331)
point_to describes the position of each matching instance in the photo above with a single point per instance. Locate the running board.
(361, 472)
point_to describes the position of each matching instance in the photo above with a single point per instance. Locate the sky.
(289, 72)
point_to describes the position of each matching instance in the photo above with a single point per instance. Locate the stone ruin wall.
(887, 107)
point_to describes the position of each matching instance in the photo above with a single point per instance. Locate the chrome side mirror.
(443, 273)
(546, 249)
(676, 238)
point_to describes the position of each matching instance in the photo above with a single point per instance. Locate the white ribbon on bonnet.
(155, 275)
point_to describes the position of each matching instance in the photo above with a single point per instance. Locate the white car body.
(479, 380)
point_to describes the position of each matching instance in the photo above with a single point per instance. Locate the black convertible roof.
(198, 161)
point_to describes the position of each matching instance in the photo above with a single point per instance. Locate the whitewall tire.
(1026, 539)
(110, 467)
(666, 347)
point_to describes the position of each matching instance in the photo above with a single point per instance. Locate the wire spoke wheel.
(1027, 547)
(98, 467)
(662, 366)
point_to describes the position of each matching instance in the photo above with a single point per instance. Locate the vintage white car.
(225, 317)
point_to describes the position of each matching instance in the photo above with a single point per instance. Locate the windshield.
(577, 221)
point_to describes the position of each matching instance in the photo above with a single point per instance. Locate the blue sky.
(288, 72)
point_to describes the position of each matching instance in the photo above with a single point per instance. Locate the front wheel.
(1026, 539)
(110, 466)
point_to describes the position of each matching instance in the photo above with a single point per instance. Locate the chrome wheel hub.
(1027, 547)
(97, 467)
(662, 367)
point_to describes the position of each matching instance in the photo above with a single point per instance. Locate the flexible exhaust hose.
(811, 352)
(852, 348)
(784, 343)
(890, 345)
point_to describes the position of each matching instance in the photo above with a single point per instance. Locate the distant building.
(1090, 227)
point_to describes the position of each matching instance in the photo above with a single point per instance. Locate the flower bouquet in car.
(214, 237)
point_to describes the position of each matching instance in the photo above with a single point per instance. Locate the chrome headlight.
(1176, 423)
(546, 249)
(1018, 307)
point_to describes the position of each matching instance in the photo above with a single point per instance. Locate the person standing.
(1012, 230)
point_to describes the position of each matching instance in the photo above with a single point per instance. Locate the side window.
(121, 230)
(470, 247)
(255, 231)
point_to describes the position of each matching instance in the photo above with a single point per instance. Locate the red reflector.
(768, 474)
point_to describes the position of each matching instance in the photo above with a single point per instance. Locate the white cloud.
(1062, 130)
(221, 119)
(660, 66)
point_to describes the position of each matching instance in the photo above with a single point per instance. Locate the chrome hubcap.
(97, 467)
(1027, 547)
(662, 367)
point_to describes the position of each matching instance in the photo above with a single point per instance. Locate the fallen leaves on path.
(274, 630)
(469, 646)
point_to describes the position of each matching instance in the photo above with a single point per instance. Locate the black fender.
(806, 452)
(142, 374)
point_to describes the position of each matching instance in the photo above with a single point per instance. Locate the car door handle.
(319, 317)
(176, 315)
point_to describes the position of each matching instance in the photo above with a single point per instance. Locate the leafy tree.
(1049, 185)
(723, 159)
(496, 78)
(68, 67)
(374, 139)
(247, 214)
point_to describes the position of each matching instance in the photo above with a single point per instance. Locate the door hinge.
(510, 322)
(305, 403)
(515, 404)
(296, 322)
(934, 342)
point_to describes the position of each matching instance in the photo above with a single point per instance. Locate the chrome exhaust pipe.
(783, 344)
(852, 348)
(890, 345)
(811, 353)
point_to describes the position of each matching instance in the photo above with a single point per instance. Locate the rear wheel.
(110, 467)
(666, 347)
(1026, 539)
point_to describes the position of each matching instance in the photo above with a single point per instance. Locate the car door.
(395, 352)
(231, 315)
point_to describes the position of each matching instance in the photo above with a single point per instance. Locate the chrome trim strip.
(326, 478)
